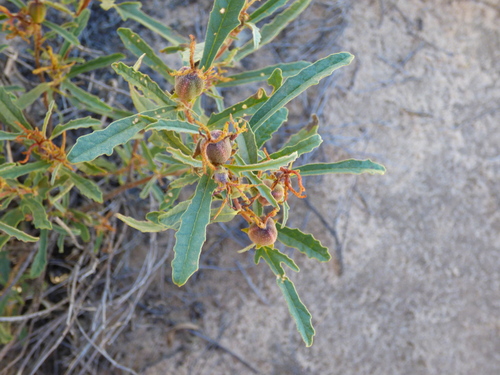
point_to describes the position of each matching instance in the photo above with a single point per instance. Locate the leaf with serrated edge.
(288, 70)
(174, 125)
(298, 310)
(29, 98)
(97, 63)
(90, 146)
(266, 165)
(303, 242)
(142, 226)
(247, 148)
(40, 218)
(143, 82)
(62, 32)
(304, 146)
(183, 158)
(274, 258)
(132, 10)
(293, 86)
(10, 114)
(135, 44)
(80, 123)
(224, 18)
(271, 126)
(14, 232)
(192, 232)
(351, 166)
(15, 170)
(86, 186)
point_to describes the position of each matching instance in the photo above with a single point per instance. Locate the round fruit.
(218, 153)
(188, 86)
(263, 236)
(37, 11)
(278, 192)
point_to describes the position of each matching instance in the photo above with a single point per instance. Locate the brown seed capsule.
(263, 237)
(189, 86)
(278, 192)
(218, 153)
(37, 11)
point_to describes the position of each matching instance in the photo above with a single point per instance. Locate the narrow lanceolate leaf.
(276, 79)
(224, 18)
(15, 170)
(40, 218)
(69, 36)
(175, 125)
(143, 82)
(40, 260)
(91, 101)
(293, 86)
(287, 70)
(245, 108)
(303, 242)
(142, 226)
(81, 21)
(298, 310)
(266, 165)
(10, 115)
(133, 11)
(86, 186)
(266, 9)
(273, 28)
(247, 148)
(97, 63)
(192, 232)
(7, 136)
(29, 98)
(270, 126)
(346, 166)
(135, 44)
(255, 34)
(80, 123)
(184, 159)
(263, 189)
(103, 141)
(14, 232)
(274, 258)
(172, 217)
(302, 147)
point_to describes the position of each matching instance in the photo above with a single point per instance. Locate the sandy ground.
(420, 289)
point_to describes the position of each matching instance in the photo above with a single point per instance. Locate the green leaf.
(273, 28)
(97, 63)
(172, 217)
(263, 189)
(135, 44)
(80, 123)
(40, 260)
(92, 101)
(286, 210)
(302, 147)
(306, 132)
(175, 125)
(90, 146)
(351, 166)
(247, 148)
(40, 218)
(192, 232)
(276, 79)
(86, 186)
(12, 171)
(19, 3)
(7, 136)
(81, 21)
(28, 98)
(14, 232)
(245, 108)
(266, 165)
(132, 10)
(142, 226)
(188, 179)
(298, 310)
(10, 114)
(67, 35)
(293, 86)
(184, 159)
(143, 82)
(289, 69)
(303, 242)
(266, 9)
(274, 258)
(224, 18)
(270, 126)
